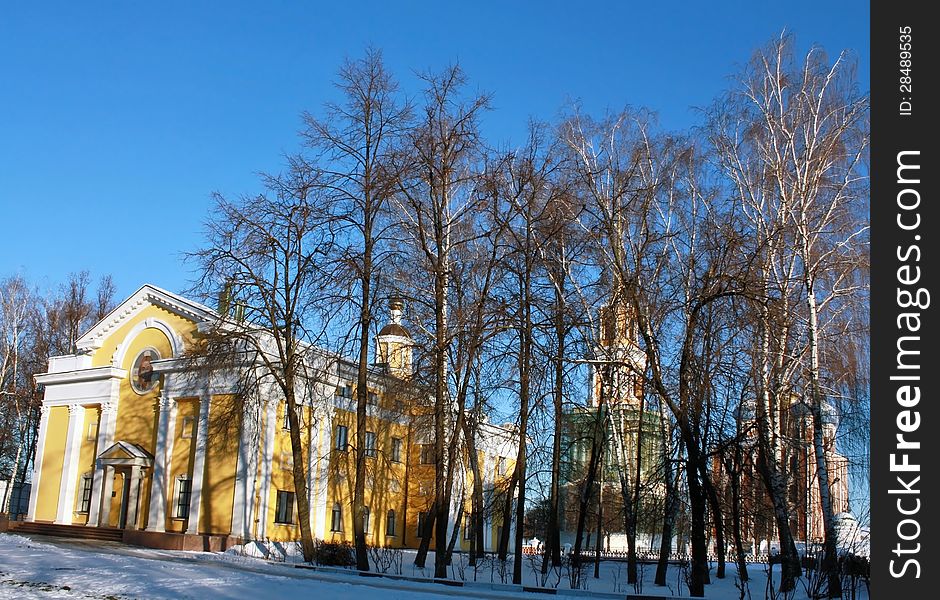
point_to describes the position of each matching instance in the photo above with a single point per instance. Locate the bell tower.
(394, 343)
(618, 372)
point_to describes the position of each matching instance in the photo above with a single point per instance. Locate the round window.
(143, 379)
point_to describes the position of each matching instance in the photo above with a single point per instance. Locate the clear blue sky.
(118, 119)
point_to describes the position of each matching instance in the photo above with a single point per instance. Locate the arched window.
(390, 523)
(365, 519)
(337, 522)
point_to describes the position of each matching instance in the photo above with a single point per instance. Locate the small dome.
(395, 329)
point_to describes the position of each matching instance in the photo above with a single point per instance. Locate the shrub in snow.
(334, 554)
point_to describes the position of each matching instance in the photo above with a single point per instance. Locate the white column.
(322, 466)
(199, 463)
(270, 420)
(73, 442)
(133, 498)
(108, 489)
(37, 461)
(105, 439)
(248, 448)
(156, 519)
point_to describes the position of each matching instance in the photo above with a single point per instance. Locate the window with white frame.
(370, 444)
(342, 437)
(284, 508)
(422, 518)
(366, 518)
(184, 489)
(336, 522)
(394, 485)
(188, 427)
(396, 449)
(427, 454)
(85, 504)
(285, 425)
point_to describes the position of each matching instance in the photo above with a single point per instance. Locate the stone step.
(68, 531)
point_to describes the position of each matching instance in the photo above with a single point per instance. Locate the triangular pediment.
(147, 295)
(126, 453)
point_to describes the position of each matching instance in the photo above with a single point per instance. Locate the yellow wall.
(86, 458)
(181, 461)
(53, 455)
(218, 491)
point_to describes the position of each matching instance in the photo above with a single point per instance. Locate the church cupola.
(393, 344)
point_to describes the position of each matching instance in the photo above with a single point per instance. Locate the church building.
(131, 438)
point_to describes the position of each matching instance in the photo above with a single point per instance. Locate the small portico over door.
(132, 462)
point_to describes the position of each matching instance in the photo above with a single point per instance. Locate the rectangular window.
(86, 494)
(286, 424)
(366, 518)
(394, 486)
(373, 399)
(92, 432)
(390, 523)
(287, 460)
(422, 517)
(336, 523)
(342, 437)
(184, 488)
(396, 449)
(344, 391)
(186, 431)
(370, 444)
(284, 511)
(427, 454)
(468, 530)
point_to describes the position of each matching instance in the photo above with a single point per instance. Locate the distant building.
(630, 433)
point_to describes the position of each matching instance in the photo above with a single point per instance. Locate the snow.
(56, 568)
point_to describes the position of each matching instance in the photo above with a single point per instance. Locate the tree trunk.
(718, 520)
(698, 575)
(670, 504)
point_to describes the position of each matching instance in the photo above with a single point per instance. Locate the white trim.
(93, 374)
(176, 342)
(105, 416)
(156, 519)
(73, 443)
(244, 476)
(270, 421)
(37, 461)
(199, 464)
(319, 504)
(147, 294)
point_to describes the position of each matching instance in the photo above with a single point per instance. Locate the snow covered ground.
(48, 568)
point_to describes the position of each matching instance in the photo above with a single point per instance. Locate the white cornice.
(147, 294)
(95, 374)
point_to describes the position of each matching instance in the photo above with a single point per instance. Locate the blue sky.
(119, 119)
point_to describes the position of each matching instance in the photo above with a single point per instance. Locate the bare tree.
(354, 145)
(793, 139)
(437, 200)
(263, 259)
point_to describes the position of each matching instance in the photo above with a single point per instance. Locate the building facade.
(132, 437)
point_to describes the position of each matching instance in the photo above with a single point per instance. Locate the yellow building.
(130, 438)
